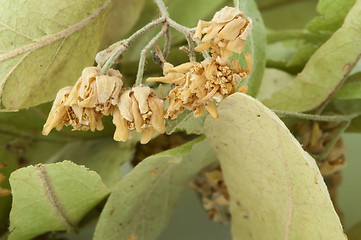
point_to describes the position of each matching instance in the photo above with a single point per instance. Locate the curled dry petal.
(139, 109)
(226, 33)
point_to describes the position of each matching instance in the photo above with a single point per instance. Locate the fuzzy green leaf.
(333, 13)
(144, 200)
(105, 156)
(44, 46)
(255, 45)
(276, 190)
(123, 15)
(326, 70)
(52, 197)
(186, 122)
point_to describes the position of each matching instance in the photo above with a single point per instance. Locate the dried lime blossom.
(315, 137)
(83, 105)
(100, 92)
(198, 84)
(141, 110)
(214, 194)
(227, 31)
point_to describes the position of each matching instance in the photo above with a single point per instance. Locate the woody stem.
(313, 117)
(143, 55)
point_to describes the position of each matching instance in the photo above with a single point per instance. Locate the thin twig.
(143, 55)
(322, 118)
(167, 43)
(236, 3)
(162, 8)
(333, 141)
(118, 48)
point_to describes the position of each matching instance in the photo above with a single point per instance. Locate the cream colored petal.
(99, 123)
(236, 45)
(73, 95)
(209, 95)
(212, 33)
(197, 81)
(243, 89)
(203, 47)
(141, 93)
(199, 111)
(232, 29)
(137, 117)
(212, 109)
(246, 31)
(200, 26)
(53, 120)
(248, 58)
(114, 73)
(147, 135)
(156, 105)
(115, 98)
(176, 78)
(91, 116)
(211, 70)
(185, 67)
(167, 67)
(105, 87)
(78, 111)
(125, 105)
(90, 72)
(121, 132)
(226, 14)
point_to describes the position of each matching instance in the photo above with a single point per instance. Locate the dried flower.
(214, 194)
(198, 84)
(62, 115)
(98, 92)
(315, 137)
(226, 32)
(141, 110)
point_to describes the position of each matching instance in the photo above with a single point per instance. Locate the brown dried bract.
(198, 84)
(141, 110)
(226, 32)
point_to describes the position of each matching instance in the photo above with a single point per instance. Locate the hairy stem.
(143, 55)
(112, 53)
(236, 3)
(167, 43)
(333, 141)
(322, 118)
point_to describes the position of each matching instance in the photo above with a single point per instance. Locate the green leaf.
(326, 70)
(144, 200)
(104, 156)
(333, 13)
(255, 45)
(122, 17)
(276, 190)
(351, 89)
(186, 122)
(295, 14)
(45, 46)
(52, 197)
(273, 80)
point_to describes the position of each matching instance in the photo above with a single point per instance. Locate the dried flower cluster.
(198, 84)
(226, 33)
(214, 194)
(95, 96)
(314, 139)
